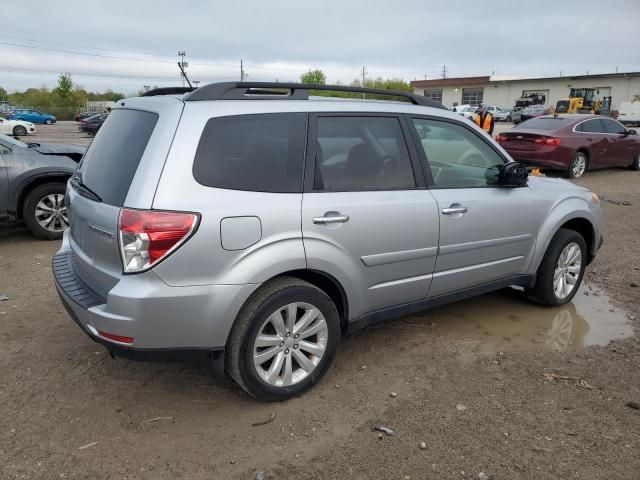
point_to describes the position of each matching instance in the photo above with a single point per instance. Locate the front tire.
(578, 165)
(561, 271)
(635, 165)
(284, 340)
(45, 212)
(19, 131)
(47, 121)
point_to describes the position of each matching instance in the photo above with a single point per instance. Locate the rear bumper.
(166, 323)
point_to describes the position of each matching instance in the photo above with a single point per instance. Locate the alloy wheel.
(567, 271)
(579, 166)
(51, 213)
(290, 344)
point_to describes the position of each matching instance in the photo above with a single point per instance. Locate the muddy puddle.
(505, 321)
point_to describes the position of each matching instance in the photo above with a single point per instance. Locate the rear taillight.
(501, 138)
(148, 236)
(548, 141)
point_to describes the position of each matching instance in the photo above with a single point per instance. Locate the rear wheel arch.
(328, 284)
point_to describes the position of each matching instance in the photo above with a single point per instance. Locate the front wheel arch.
(33, 183)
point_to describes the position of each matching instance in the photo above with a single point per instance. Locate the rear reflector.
(117, 338)
(148, 236)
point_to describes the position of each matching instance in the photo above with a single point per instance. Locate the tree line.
(63, 101)
(67, 98)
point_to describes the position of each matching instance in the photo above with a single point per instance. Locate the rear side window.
(261, 153)
(113, 157)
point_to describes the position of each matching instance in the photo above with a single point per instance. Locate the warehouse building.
(504, 91)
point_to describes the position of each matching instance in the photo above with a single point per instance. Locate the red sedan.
(572, 143)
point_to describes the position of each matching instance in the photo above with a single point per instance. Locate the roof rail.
(167, 91)
(290, 91)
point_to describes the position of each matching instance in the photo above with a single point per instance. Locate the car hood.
(73, 151)
(551, 182)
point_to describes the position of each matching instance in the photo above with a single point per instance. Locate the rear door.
(366, 217)
(4, 126)
(622, 148)
(487, 233)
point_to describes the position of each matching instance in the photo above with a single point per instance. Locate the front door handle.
(454, 210)
(331, 219)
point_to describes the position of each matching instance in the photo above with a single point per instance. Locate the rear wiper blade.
(83, 190)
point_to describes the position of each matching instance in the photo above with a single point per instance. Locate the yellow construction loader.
(582, 100)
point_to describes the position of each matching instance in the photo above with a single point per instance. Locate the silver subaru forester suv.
(252, 224)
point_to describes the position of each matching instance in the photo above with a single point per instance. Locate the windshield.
(10, 142)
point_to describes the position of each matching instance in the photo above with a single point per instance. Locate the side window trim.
(312, 135)
(423, 155)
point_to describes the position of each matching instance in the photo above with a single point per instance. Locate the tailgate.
(131, 143)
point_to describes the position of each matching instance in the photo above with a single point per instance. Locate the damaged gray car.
(33, 179)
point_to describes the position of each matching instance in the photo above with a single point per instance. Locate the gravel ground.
(494, 387)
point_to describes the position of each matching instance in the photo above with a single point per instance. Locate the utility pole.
(183, 64)
(196, 82)
(444, 71)
(616, 69)
(364, 73)
(243, 74)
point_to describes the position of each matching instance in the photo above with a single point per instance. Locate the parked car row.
(91, 124)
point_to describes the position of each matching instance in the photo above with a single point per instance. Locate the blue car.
(33, 116)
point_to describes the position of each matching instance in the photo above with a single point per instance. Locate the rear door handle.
(331, 219)
(454, 210)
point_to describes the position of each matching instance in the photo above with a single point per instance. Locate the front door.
(366, 217)
(487, 233)
(622, 148)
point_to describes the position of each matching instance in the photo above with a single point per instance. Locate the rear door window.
(361, 153)
(111, 161)
(261, 153)
(591, 126)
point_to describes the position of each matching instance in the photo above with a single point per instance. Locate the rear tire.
(635, 165)
(563, 263)
(291, 366)
(19, 131)
(578, 166)
(44, 211)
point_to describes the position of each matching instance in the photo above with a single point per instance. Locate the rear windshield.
(113, 157)
(546, 123)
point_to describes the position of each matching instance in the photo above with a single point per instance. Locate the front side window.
(261, 153)
(361, 153)
(457, 157)
(613, 127)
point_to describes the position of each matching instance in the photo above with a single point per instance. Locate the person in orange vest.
(484, 119)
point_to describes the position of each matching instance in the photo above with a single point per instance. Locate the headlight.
(595, 198)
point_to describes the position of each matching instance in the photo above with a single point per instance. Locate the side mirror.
(631, 132)
(513, 174)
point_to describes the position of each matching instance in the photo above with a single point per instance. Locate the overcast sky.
(124, 45)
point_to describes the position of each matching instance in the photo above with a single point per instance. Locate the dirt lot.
(495, 387)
